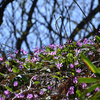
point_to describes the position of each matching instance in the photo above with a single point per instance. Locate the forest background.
(30, 23)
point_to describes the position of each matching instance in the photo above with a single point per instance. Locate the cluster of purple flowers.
(59, 64)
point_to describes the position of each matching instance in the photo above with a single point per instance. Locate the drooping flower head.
(71, 65)
(75, 80)
(78, 70)
(29, 96)
(84, 85)
(59, 65)
(15, 83)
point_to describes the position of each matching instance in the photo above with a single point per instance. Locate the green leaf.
(29, 57)
(90, 89)
(90, 64)
(37, 82)
(54, 76)
(2, 74)
(97, 38)
(93, 87)
(47, 48)
(96, 96)
(70, 55)
(16, 70)
(74, 43)
(7, 87)
(87, 80)
(7, 62)
(58, 73)
(78, 92)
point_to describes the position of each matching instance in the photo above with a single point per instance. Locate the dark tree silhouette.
(37, 22)
(3, 5)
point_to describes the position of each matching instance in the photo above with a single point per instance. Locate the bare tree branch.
(29, 25)
(3, 5)
(84, 22)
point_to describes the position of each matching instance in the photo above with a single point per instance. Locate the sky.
(32, 39)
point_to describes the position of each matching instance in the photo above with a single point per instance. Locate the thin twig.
(69, 20)
(85, 16)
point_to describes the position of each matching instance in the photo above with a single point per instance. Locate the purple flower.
(71, 65)
(93, 75)
(36, 50)
(78, 70)
(76, 63)
(29, 96)
(12, 56)
(75, 80)
(60, 47)
(94, 38)
(51, 46)
(50, 87)
(84, 85)
(1, 98)
(41, 92)
(25, 52)
(43, 47)
(22, 50)
(91, 42)
(19, 95)
(16, 52)
(1, 58)
(44, 53)
(57, 45)
(55, 57)
(77, 51)
(52, 53)
(15, 83)
(76, 98)
(37, 59)
(67, 94)
(79, 43)
(90, 53)
(35, 95)
(26, 60)
(20, 67)
(21, 63)
(70, 91)
(10, 70)
(99, 50)
(97, 89)
(7, 93)
(68, 41)
(87, 94)
(33, 60)
(34, 77)
(85, 41)
(59, 65)
(18, 61)
(63, 53)
(41, 50)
